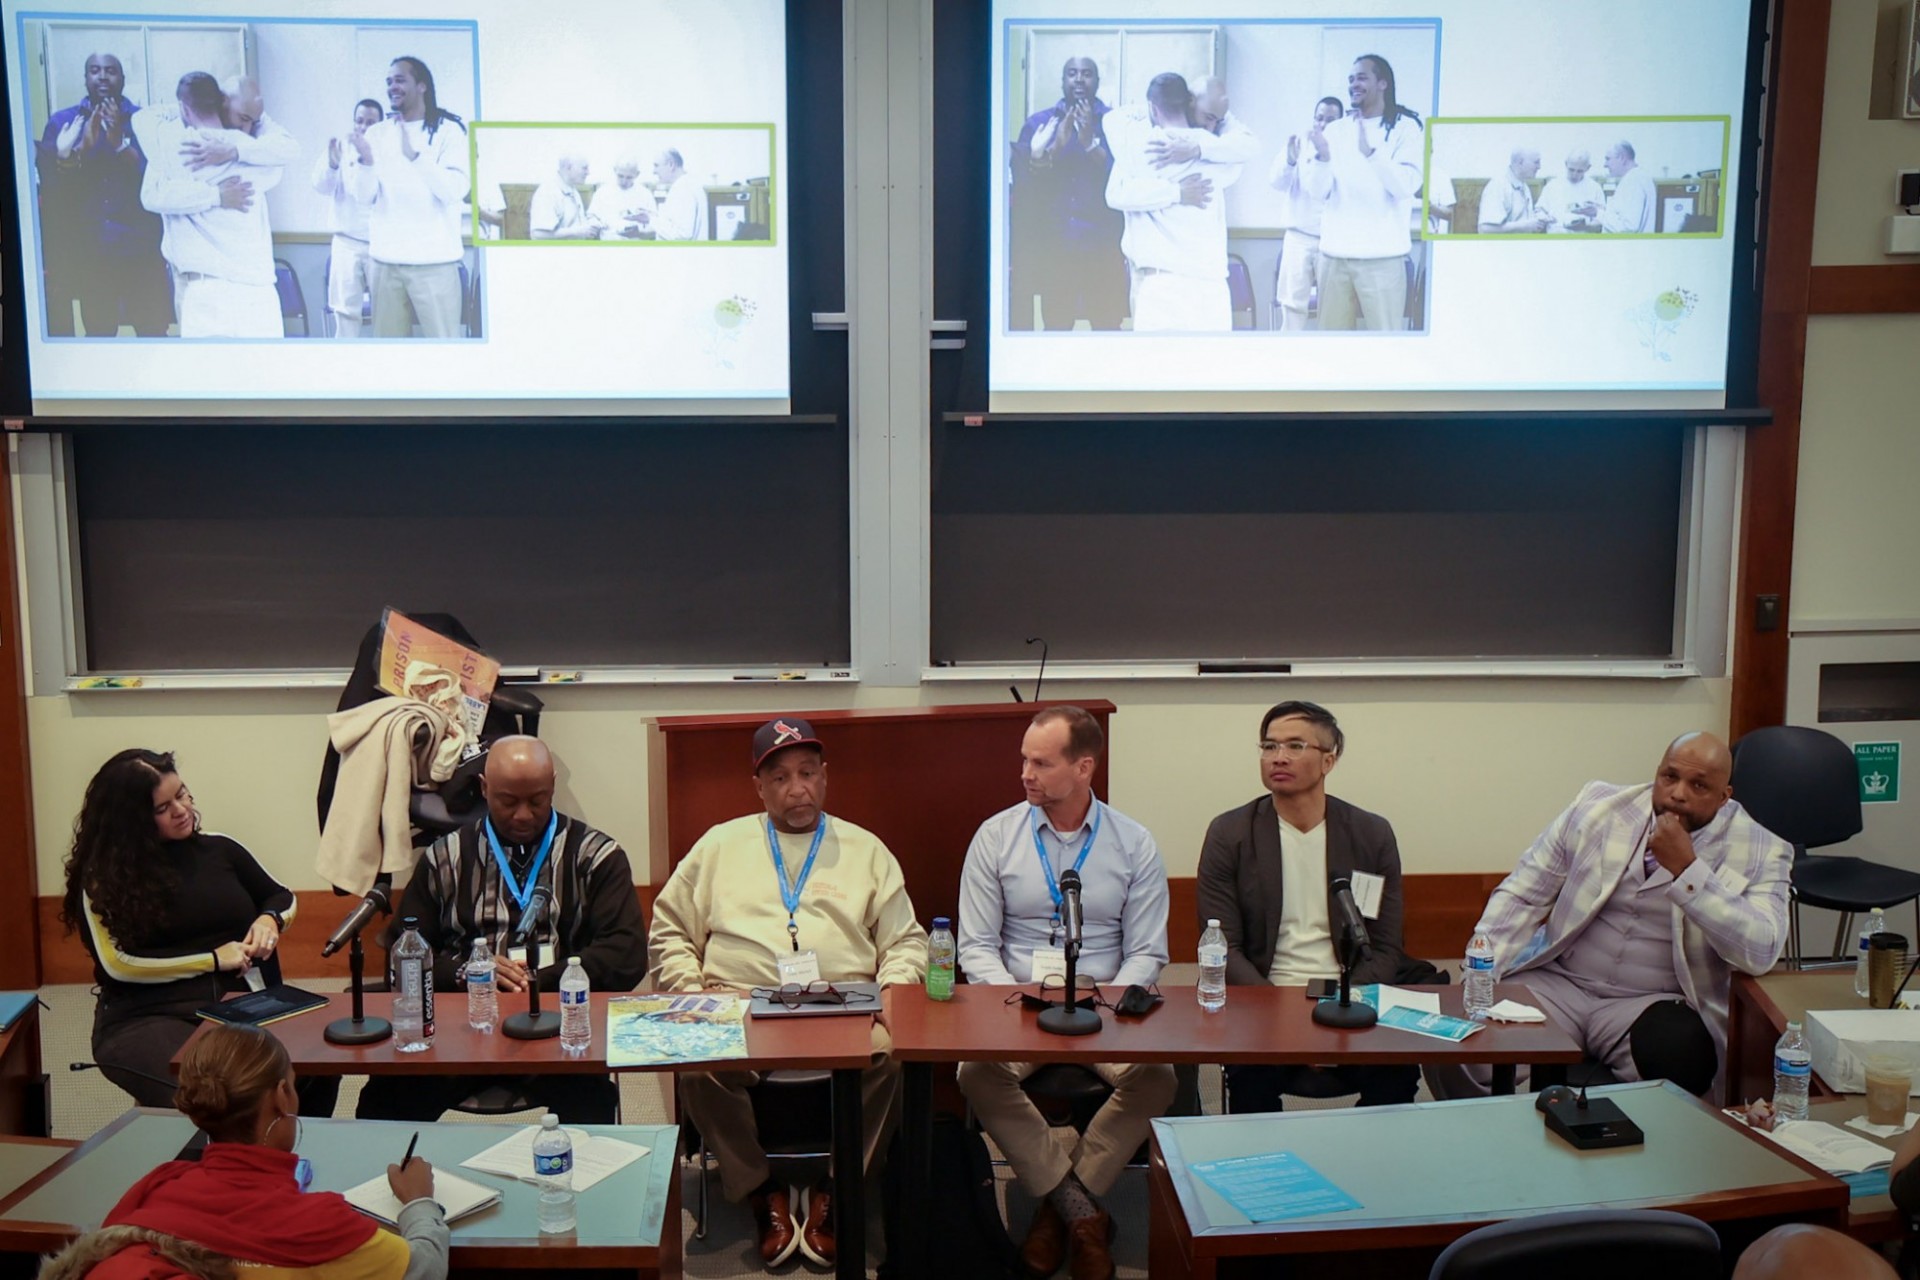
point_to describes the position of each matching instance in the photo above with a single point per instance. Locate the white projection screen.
(1363, 205)
(253, 207)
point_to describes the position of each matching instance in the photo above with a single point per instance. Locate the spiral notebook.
(459, 1197)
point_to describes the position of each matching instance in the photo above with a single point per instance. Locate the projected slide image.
(623, 184)
(1550, 179)
(241, 180)
(1144, 160)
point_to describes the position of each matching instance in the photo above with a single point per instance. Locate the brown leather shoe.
(1046, 1244)
(773, 1223)
(816, 1237)
(1092, 1258)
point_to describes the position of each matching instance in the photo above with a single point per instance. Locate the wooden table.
(1427, 1173)
(1758, 1010)
(842, 1045)
(1870, 1219)
(1261, 1024)
(629, 1222)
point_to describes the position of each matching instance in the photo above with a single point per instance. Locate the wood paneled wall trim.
(1797, 94)
(19, 939)
(1440, 911)
(1880, 289)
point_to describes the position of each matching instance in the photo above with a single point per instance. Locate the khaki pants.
(716, 1103)
(403, 293)
(1363, 293)
(1141, 1092)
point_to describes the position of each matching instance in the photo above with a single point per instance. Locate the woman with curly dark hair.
(174, 917)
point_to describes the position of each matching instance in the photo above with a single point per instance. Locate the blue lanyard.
(522, 893)
(790, 893)
(1046, 863)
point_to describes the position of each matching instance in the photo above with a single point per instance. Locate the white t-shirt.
(1303, 948)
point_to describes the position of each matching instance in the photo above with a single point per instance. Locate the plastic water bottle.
(412, 990)
(1212, 990)
(1876, 922)
(1476, 978)
(1792, 1071)
(576, 1013)
(553, 1170)
(483, 998)
(941, 954)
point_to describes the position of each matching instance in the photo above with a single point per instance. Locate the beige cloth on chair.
(368, 831)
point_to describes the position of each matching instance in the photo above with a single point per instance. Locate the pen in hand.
(408, 1158)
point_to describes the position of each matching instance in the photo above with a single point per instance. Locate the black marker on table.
(408, 1158)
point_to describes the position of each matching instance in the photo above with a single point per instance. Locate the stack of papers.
(1829, 1147)
(593, 1158)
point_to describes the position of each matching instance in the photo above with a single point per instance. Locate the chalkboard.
(1297, 539)
(274, 546)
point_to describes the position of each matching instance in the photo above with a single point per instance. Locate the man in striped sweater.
(476, 883)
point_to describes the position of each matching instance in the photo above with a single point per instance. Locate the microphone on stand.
(375, 903)
(1071, 912)
(1070, 1019)
(535, 1023)
(1351, 944)
(536, 908)
(1039, 679)
(358, 1028)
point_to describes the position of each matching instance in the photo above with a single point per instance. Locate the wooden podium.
(921, 778)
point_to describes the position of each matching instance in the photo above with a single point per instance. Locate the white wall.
(1467, 770)
(715, 157)
(1665, 148)
(1856, 546)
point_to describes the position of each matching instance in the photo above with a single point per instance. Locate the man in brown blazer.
(1266, 874)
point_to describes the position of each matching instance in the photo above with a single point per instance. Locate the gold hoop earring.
(298, 1132)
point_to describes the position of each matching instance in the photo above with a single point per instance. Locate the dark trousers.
(136, 1052)
(1257, 1087)
(110, 287)
(1077, 279)
(575, 1099)
(1670, 1041)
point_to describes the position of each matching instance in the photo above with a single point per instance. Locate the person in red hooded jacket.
(242, 1204)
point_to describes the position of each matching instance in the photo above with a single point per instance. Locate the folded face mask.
(1138, 1002)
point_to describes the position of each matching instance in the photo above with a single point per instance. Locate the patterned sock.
(1072, 1200)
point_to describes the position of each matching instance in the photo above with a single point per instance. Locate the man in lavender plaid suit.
(1628, 916)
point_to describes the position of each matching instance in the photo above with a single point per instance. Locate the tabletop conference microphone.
(1350, 944)
(1353, 925)
(1071, 913)
(530, 918)
(1068, 1018)
(375, 903)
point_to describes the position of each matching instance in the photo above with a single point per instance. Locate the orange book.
(404, 642)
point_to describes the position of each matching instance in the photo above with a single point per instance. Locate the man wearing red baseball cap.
(781, 896)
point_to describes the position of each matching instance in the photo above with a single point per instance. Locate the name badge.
(1049, 962)
(518, 955)
(1367, 889)
(799, 967)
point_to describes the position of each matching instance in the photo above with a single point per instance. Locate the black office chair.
(1802, 784)
(792, 1113)
(456, 802)
(1067, 1093)
(1587, 1244)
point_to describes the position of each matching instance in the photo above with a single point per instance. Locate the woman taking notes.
(242, 1206)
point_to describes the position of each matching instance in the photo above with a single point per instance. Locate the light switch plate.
(1903, 233)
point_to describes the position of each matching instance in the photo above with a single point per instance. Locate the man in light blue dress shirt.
(1010, 927)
